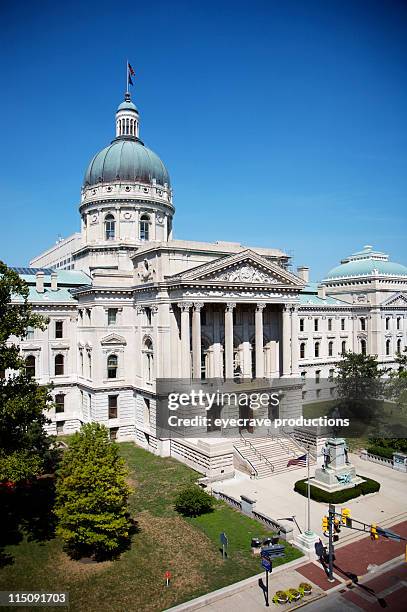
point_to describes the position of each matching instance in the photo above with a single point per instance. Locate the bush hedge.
(380, 451)
(337, 497)
(193, 501)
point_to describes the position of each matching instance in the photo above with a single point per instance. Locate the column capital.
(139, 309)
(230, 306)
(260, 306)
(154, 309)
(198, 306)
(184, 306)
(287, 307)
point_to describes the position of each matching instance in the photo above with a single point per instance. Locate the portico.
(248, 340)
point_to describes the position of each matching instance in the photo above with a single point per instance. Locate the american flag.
(302, 461)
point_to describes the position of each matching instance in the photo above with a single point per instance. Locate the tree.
(359, 388)
(24, 445)
(193, 501)
(396, 386)
(91, 495)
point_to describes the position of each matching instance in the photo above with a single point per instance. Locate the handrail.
(247, 460)
(257, 452)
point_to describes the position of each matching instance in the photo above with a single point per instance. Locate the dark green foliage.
(24, 446)
(337, 497)
(396, 385)
(91, 503)
(380, 451)
(193, 501)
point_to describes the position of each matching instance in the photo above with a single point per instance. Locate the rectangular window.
(29, 335)
(59, 403)
(317, 376)
(303, 375)
(387, 323)
(111, 316)
(329, 324)
(315, 324)
(59, 329)
(113, 433)
(112, 406)
(301, 325)
(363, 324)
(148, 315)
(343, 324)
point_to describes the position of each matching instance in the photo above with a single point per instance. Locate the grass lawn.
(188, 548)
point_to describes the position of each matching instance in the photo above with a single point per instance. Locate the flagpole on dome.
(127, 77)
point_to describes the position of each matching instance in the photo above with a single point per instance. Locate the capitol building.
(128, 304)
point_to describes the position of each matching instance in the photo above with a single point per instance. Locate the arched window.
(399, 345)
(110, 227)
(330, 349)
(144, 227)
(302, 350)
(388, 346)
(316, 349)
(30, 366)
(59, 365)
(343, 351)
(148, 360)
(112, 366)
(363, 346)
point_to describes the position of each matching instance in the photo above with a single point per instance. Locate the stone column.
(285, 339)
(258, 321)
(229, 339)
(196, 341)
(294, 342)
(185, 340)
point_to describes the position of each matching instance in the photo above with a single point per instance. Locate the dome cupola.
(127, 118)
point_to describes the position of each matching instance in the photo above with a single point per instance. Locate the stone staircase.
(269, 455)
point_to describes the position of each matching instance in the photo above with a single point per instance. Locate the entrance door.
(245, 412)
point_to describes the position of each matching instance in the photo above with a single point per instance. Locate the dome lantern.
(127, 119)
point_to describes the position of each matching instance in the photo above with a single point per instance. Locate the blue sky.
(282, 124)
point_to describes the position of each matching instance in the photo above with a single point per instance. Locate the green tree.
(396, 386)
(359, 388)
(193, 501)
(24, 445)
(91, 495)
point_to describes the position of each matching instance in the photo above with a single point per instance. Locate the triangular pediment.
(399, 299)
(113, 340)
(245, 268)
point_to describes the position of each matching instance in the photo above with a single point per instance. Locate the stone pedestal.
(336, 473)
(306, 542)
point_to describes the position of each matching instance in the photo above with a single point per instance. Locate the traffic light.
(325, 528)
(373, 532)
(346, 520)
(337, 525)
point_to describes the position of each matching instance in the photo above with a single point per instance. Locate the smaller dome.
(366, 263)
(127, 105)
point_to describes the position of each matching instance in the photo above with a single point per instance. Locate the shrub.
(193, 501)
(337, 497)
(380, 451)
(91, 504)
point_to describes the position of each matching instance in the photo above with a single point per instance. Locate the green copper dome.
(126, 159)
(366, 263)
(127, 105)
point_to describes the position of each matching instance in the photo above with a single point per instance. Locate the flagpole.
(309, 496)
(127, 76)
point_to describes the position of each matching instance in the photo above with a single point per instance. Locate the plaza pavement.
(275, 497)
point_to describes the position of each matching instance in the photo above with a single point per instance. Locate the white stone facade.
(139, 305)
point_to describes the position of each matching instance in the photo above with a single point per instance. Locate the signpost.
(224, 541)
(167, 578)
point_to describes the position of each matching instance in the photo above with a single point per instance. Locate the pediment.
(247, 268)
(399, 299)
(113, 340)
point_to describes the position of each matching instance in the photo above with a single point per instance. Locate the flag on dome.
(130, 73)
